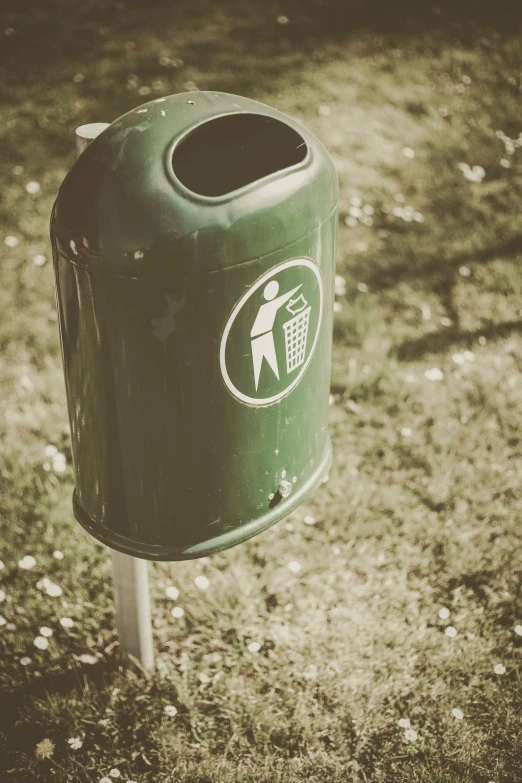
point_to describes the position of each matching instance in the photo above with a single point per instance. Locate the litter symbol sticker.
(270, 337)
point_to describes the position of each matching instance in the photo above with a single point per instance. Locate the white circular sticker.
(271, 334)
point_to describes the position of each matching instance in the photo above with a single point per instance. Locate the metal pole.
(130, 575)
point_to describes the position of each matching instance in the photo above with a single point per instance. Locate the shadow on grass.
(17, 734)
(207, 32)
(57, 683)
(439, 342)
(445, 274)
(446, 271)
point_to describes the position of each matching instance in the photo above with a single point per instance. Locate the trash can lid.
(206, 179)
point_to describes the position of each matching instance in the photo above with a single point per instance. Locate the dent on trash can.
(193, 245)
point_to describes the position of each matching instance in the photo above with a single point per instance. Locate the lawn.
(394, 653)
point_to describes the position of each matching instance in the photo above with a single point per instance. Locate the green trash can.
(193, 245)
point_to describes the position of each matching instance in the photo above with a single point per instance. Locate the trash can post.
(130, 574)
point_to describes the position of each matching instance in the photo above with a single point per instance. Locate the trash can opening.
(227, 153)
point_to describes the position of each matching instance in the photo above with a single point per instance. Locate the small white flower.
(41, 642)
(473, 174)
(336, 549)
(53, 590)
(202, 582)
(355, 212)
(50, 450)
(45, 631)
(57, 554)
(458, 714)
(434, 374)
(518, 630)
(33, 187)
(404, 723)
(11, 241)
(356, 201)
(426, 312)
(59, 463)
(340, 285)
(309, 520)
(350, 221)
(11, 627)
(363, 288)
(469, 356)
(505, 163)
(66, 622)
(408, 152)
(177, 611)
(458, 358)
(410, 735)
(282, 20)
(2, 566)
(27, 562)
(445, 321)
(3, 621)
(324, 111)
(294, 566)
(87, 658)
(464, 271)
(25, 660)
(254, 647)
(115, 773)
(368, 209)
(331, 399)
(2, 596)
(105, 780)
(418, 217)
(451, 632)
(444, 613)
(337, 307)
(499, 668)
(172, 592)
(406, 432)
(170, 710)
(39, 260)
(75, 743)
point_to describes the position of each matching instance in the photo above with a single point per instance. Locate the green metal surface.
(193, 245)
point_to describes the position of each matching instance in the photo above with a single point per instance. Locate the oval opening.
(229, 152)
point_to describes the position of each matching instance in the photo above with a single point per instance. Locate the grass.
(422, 508)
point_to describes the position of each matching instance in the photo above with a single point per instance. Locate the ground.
(395, 653)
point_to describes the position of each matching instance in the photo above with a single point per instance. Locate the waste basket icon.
(296, 332)
(193, 246)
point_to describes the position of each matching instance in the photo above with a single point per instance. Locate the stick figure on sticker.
(263, 346)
